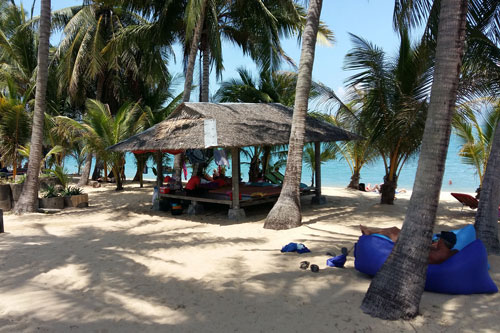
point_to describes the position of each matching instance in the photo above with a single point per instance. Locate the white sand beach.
(118, 266)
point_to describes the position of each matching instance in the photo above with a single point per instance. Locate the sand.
(118, 266)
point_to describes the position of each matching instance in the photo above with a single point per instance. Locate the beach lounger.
(466, 200)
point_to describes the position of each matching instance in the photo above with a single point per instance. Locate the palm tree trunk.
(487, 213)
(286, 212)
(192, 53)
(354, 184)
(14, 165)
(388, 190)
(84, 178)
(28, 200)
(396, 290)
(97, 168)
(206, 68)
(188, 82)
(118, 177)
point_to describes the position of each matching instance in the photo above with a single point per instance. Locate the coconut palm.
(28, 200)
(286, 212)
(275, 87)
(18, 47)
(476, 129)
(14, 131)
(356, 153)
(396, 290)
(394, 102)
(101, 129)
(84, 64)
(154, 111)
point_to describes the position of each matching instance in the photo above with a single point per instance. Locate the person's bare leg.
(392, 232)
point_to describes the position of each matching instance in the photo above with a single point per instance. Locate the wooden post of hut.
(318, 199)
(235, 212)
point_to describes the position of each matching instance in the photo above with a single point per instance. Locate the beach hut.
(231, 126)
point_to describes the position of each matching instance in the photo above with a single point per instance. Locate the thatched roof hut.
(210, 125)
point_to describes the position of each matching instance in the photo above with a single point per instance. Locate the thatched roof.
(237, 125)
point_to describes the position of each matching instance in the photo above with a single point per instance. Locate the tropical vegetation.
(109, 78)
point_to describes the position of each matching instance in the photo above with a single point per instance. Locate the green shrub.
(51, 192)
(61, 175)
(21, 179)
(71, 190)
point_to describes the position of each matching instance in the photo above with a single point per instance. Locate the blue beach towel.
(294, 247)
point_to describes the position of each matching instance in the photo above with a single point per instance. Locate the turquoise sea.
(337, 173)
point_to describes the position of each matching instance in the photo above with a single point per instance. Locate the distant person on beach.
(375, 188)
(440, 250)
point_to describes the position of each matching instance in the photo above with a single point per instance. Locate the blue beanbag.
(464, 273)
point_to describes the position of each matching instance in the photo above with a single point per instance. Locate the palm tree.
(255, 26)
(100, 130)
(486, 223)
(356, 153)
(28, 199)
(14, 131)
(393, 102)
(18, 58)
(476, 134)
(154, 112)
(274, 87)
(286, 212)
(396, 290)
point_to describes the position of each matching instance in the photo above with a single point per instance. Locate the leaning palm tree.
(28, 200)
(396, 290)
(286, 212)
(476, 129)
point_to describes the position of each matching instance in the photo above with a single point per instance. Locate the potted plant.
(74, 197)
(51, 199)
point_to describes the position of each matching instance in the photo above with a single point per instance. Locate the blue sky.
(371, 19)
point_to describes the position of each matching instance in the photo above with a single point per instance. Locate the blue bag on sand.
(301, 248)
(294, 247)
(337, 261)
(290, 247)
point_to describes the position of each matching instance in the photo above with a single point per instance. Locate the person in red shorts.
(193, 185)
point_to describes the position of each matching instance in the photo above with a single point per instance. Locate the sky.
(370, 19)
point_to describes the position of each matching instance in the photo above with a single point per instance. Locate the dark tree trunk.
(286, 212)
(84, 178)
(354, 184)
(28, 200)
(118, 178)
(388, 190)
(97, 169)
(396, 290)
(488, 212)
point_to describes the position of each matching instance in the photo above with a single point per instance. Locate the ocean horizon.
(458, 177)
